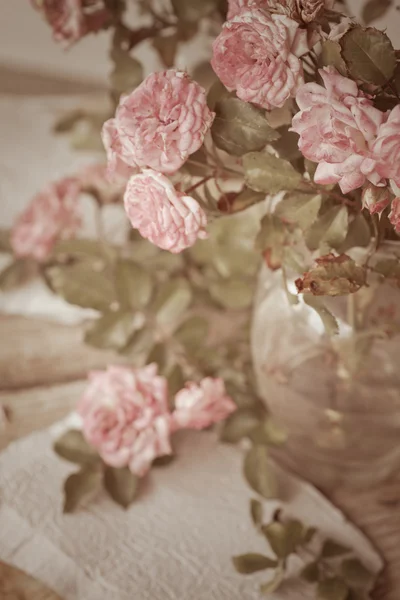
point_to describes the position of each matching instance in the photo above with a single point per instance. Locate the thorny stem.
(315, 189)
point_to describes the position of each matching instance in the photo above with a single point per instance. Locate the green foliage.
(331, 56)
(299, 208)
(259, 473)
(121, 485)
(80, 485)
(329, 231)
(16, 274)
(73, 447)
(369, 55)
(239, 127)
(266, 173)
(333, 276)
(256, 511)
(112, 330)
(246, 564)
(375, 9)
(239, 425)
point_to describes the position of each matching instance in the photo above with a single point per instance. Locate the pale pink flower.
(338, 125)
(70, 20)
(159, 124)
(257, 54)
(126, 418)
(375, 199)
(94, 179)
(235, 6)
(394, 216)
(168, 218)
(387, 147)
(53, 214)
(198, 406)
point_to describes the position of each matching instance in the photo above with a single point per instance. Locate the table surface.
(41, 383)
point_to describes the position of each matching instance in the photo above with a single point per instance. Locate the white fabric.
(174, 543)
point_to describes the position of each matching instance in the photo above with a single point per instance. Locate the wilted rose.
(168, 218)
(198, 406)
(257, 54)
(70, 20)
(394, 216)
(53, 214)
(159, 124)
(375, 199)
(126, 418)
(338, 125)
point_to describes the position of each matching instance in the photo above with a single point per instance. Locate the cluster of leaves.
(333, 571)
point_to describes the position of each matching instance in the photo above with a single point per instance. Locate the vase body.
(338, 397)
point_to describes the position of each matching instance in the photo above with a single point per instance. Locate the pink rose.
(94, 180)
(375, 199)
(53, 214)
(72, 19)
(126, 418)
(198, 406)
(235, 6)
(168, 218)
(257, 54)
(302, 10)
(387, 147)
(159, 124)
(338, 125)
(394, 216)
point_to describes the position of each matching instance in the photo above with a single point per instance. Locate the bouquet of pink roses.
(291, 157)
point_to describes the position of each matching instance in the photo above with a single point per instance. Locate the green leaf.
(158, 355)
(256, 511)
(271, 240)
(111, 331)
(192, 10)
(243, 200)
(166, 47)
(369, 55)
(375, 9)
(358, 235)
(265, 173)
(287, 145)
(284, 538)
(239, 425)
(216, 92)
(193, 333)
(298, 208)
(83, 249)
(246, 564)
(81, 285)
(331, 549)
(329, 321)
(127, 73)
(390, 269)
(271, 586)
(331, 56)
(16, 274)
(139, 345)
(259, 473)
(269, 433)
(310, 572)
(5, 244)
(72, 446)
(332, 588)
(355, 573)
(134, 285)
(240, 127)
(121, 484)
(172, 300)
(234, 294)
(330, 230)
(332, 276)
(176, 380)
(80, 485)
(68, 120)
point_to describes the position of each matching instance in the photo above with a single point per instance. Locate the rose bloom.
(53, 214)
(94, 179)
(125, 416)
(73, 19)
(375, 199)
(394, 216)
(198, 406)
(159, 124)
(168, 218)
(338, 125)
(387, 147)
(257, 54)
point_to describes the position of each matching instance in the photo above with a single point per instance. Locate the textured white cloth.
(174, 543)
